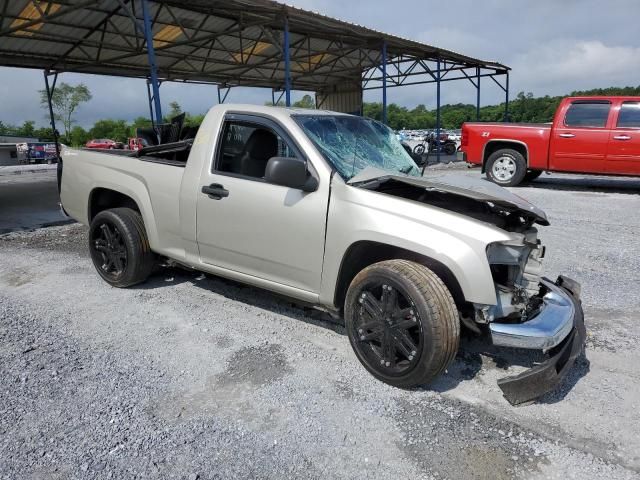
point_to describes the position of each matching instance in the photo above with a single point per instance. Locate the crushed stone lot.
(191, 376)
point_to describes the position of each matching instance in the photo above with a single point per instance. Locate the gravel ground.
(192, 376)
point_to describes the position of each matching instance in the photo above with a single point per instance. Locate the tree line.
(524, 108)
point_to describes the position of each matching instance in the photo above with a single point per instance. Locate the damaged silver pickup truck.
(330, 210)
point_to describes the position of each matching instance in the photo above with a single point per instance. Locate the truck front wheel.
(402, 322)
(120, 248)
(506, 167)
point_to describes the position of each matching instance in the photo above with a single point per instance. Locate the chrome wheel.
(504, 168)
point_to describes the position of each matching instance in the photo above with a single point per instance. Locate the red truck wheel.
(506, 167)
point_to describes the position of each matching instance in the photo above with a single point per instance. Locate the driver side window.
(247, 147)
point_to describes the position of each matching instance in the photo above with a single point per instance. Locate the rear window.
(629, 116)
(587, 114)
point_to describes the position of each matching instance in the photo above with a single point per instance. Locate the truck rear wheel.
(120, 248)
(506, 167)
(402, 322)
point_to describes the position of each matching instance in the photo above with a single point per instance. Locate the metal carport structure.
(227, 43)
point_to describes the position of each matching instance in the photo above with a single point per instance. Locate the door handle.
(215, 191)
(566, 135)
(622, 137)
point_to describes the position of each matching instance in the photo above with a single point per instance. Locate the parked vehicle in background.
(135, 144)
(36, 152)
(594, 135)
(103, 143)
(329, 209)
(446, 145)
(455, 135)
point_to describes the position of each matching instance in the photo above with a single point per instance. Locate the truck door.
(580, 136)
(268, 231)
(623, 154)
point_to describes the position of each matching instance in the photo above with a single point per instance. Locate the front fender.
(454, 240)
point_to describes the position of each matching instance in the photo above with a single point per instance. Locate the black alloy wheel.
(388, 328)
(402, 322)
(120, 248)
(109, 244)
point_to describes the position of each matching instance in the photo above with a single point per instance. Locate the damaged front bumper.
(558, 329)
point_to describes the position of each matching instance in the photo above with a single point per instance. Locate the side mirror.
(290, 172)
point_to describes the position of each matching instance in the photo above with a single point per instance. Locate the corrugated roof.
(232, 42)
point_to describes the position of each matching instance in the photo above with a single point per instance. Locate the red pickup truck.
(599, 135)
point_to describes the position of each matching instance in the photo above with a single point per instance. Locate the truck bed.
(175, 153)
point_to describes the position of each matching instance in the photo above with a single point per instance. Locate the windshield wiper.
(406, 169)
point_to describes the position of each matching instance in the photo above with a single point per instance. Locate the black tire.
(450, 148)
(120, 248)
(515, 167)
(424, 312)
(531, 175)
(419, 149)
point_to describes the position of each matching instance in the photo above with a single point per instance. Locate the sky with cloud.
(553, 47)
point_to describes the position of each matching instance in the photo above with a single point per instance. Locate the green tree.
(79, 136)
(43, 133)
(114, 129)
(65, 101)
(139, 122)
(176, 110)
(305, 102)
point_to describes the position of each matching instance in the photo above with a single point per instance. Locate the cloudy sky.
(553, 46)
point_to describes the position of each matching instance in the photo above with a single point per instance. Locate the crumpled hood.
(461, 185)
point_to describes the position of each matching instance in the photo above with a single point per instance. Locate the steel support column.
(287, 64)
(437, 110)
(477, 94)
(52, 119)
(150, 101)
(50, 89)
(275, 102)
(151, 55)
(222, 97)
(384, 82)
(506, 99)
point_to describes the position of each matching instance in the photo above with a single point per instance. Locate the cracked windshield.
(352, 144)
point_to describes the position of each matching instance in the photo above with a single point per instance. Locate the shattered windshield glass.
(352, 144)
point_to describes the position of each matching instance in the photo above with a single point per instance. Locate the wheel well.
(362, 254)
(494, 146)
(103, 199)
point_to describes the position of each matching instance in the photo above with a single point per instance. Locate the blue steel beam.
(384, 82)
(477, 94)
(150, 101)
(437, 111)
(287, 64)
(52, 118)
(506, 99)
(222, 97)
(151, 54)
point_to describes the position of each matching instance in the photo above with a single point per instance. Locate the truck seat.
(260, 147)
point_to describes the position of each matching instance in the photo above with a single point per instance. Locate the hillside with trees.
(524, 108)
